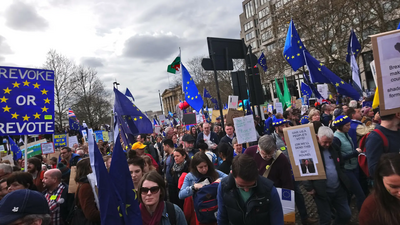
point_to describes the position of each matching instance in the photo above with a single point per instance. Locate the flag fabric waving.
(375, 102)
(319, 73)
(17, 154)
(128, 112)
(192, 95)
(279, 93)
(294, 48)
(305, 90)
(121, 178)
(175, 66)
(263, 62)
(74, 125)
(71, 113)
(313, 89)
(129, 94)
(215, 102)
(398, 27)
(206, 94)
(286, 93)
(354, 46)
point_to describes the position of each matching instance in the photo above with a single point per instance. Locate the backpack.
(362, 157)
(171, 213)
(205, 202)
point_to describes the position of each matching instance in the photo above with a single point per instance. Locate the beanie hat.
(304, 120)
(341, 120)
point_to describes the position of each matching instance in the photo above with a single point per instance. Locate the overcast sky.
(129, 40)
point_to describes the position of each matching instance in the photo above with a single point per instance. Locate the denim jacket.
(180, 217)
(190, 180)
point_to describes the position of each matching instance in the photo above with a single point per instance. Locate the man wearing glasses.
(244, 197)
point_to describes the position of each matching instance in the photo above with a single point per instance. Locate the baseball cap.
(21, 203)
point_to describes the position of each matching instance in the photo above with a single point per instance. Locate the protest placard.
(1, 148)
(270, 108)
(245, 129)
(189, 119)
(304, 153)
(47, 148)
(34, 148)
(233, 113)
(287, 201)
(72, 186)
(98, 134)
(60, 140)
(9, 158)
(105, 136)
(72, 140)
(233, 102)
(386, 50)
(323, 90)
(279, 107)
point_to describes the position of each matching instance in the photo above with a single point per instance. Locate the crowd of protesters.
(202, 175)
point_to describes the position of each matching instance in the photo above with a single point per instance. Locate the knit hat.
(138, 145)
(341, 120)
(279, 122)
(304, 120)
(365, 110)
(337, 112)
(64, 169)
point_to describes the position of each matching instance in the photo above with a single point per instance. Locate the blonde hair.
(312, 113)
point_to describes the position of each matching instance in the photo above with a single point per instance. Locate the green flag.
(279, 93)
(286, 94)
(175, 66)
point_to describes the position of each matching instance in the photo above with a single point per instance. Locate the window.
(250, 35)
(263, 12)
(267, 35)
(286, 1)
(263, 2)
(266, 23)
(249, 10)
(278, 4)
(253, 44)
(256, 4)
(248, 25)
(270, 47)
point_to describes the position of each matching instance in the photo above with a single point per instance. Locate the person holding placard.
(331, 192)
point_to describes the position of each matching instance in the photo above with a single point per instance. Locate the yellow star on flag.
(44, 109)
(292, 56)
(298, 54)
(319, 69)
(14, 116)
(36, 85)
(7, 91)
(37, 116)
(342, 82)
(6, 109)
(47, 100)
(140, 117)
(337, 84)
(4, 99)
(300, 47)
(187, 82)
(26, 117)
(44, 91)
(16, 84)
(135, 119)
(26, 83)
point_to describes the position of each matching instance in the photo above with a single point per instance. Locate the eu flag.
(215, 102)
(207, 115)
(206, 94)
(305, 90)
(127, 130)
(17, 154)
(293, 50)
(263, 62)
(121, 177)
(129, 94)
(319, 73)
(192, 95)
(74, 125)
(124, 107)
(311, 86)
(354, 47)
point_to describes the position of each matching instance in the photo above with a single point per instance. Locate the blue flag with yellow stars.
(74, 125)
(263, 62)
(354, 47)
(293, 50)
(17, 154)
(120, 176)
(207, 115)
(206, 94)
(129, 94)
(192, 94)
(26, 101)
(320, 74)
(311, 86)
(127, 130)
(305, 90)
(215, 102)
(124, 107)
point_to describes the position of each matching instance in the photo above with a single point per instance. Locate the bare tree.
(64, 83)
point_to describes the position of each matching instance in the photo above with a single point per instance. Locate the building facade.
(170, 98)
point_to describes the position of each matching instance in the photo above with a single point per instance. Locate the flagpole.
(26, 153)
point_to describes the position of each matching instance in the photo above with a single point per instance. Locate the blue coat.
(190, 180)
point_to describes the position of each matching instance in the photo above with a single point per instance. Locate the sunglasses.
(152, 190)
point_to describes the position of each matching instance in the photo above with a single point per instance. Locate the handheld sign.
(386, 49)
(245, 130)
(279, 107)
(72, 140)
(233, 113)
(304, 153)
(270, 108)
(233, 102)
(26, 101)
(47, 148)
(60, 140)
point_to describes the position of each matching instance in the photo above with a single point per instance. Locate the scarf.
(154, 219)
(179, 167)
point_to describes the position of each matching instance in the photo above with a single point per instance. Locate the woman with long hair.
(200, 168)
(225, 152)
(383, 204)
(154, 210)
(148, 164)
(193, 132)
(181, 165)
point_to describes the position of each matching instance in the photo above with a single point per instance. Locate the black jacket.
(257, 208)
(320, 185)
(213, 137)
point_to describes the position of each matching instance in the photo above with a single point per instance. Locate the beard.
(31, 169)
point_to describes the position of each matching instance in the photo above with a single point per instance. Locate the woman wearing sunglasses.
(153, 208)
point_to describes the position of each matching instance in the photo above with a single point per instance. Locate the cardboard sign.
(270, 108)
(47, 148)
(72, 140)
(233, 102)
(72, 186)
(161, 118)
(287, 201)
(304, 153)
(386, 50)
(245, 129)
(189, 119)
(34, 148)
(279, 107)
(105, 136)
(60, 140)
(233, 113)
(323, 90)
(304, 109)
(298, 103)
(9, 158)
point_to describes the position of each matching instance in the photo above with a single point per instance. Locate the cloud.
(4, 47)
(151, 47)
(92, 62)
(24, 17)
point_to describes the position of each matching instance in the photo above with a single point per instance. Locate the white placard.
(279, 107)
(157, 129)
(161, 118)
(373, 70)
(72, 140)
(323, 90)
(287, 201)
(47, 148)
(303, 150)
(199, 119)
(233, 102)
(270, 108)
(304, 109)
(9, 158)
(245, 129)
(2, 148)
(84, 133)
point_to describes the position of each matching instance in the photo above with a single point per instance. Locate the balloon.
(183, 105)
